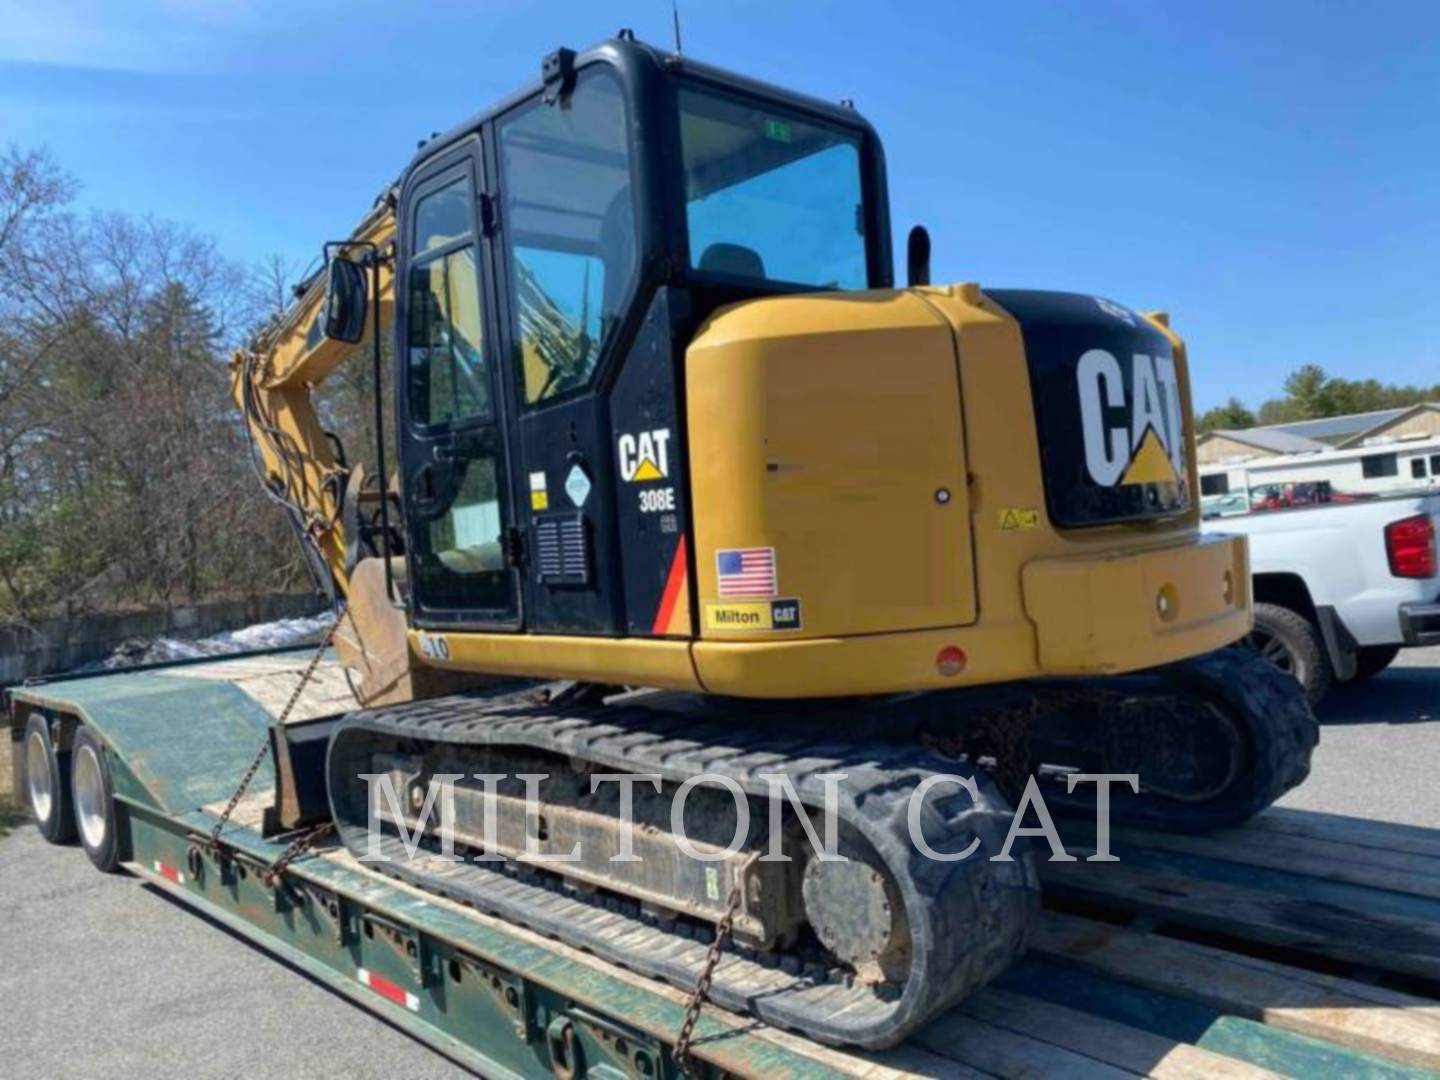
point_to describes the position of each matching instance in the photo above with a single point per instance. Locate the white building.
(1364, 454)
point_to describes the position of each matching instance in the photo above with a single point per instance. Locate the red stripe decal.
(168, 872)
(672, 590)
(387, 989)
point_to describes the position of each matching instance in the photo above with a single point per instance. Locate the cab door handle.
(424, 497)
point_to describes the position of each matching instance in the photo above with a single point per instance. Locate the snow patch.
(282, 633)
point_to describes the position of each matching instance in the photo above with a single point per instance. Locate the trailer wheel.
(94, 801)
(1292, 643)
(1370, 660)
(47, 783)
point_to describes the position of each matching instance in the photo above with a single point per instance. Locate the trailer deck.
(1301, 944)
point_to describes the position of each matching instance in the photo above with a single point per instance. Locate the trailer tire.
(47, 783)
(1292, 643)
(93, 797)
(1370, 660)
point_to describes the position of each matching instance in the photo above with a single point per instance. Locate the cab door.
(568, 251)
(455, 468)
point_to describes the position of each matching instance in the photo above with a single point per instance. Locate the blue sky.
(1269, 172)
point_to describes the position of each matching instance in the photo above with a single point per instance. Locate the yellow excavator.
(685, 485)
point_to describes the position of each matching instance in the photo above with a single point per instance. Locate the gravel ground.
(104, 976)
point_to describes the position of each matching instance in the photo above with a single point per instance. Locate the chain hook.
(684, 1061)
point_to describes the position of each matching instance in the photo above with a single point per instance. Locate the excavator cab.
(663, 420)
(554, 258)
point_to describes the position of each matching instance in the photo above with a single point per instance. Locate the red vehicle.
(1283, 496)
(1295, 493)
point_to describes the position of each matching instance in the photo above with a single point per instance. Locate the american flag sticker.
(746, 572)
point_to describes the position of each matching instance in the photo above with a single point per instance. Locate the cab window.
(770, 196)
(445, 367)
(569, 224)
(444, 216)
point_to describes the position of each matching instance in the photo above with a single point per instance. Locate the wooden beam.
(1339, 1011)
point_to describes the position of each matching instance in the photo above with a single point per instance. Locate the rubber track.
(1278, 727)
(969, 919)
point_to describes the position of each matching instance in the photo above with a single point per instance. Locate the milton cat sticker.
(1139, 441)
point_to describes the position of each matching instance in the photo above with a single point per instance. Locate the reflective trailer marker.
(388, 990)
(169, 873)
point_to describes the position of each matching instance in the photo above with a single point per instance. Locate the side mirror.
(345, 301)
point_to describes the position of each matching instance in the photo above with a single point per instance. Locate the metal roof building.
(1337, 429)
(1274, 439)
(1411, 422)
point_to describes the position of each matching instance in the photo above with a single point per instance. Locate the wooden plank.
(1105, 1040)
(1006, 1054)
(1382, 835)
(1383, 1022)
(1366, 992)
(1277, 881)
(1301, 1055)
(1261, 1045)
(1380, 939)
(1330, 860)
(909, 1059)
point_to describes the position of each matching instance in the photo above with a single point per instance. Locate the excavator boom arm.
(274, 383)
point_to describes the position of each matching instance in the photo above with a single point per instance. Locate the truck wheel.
(1292, 643)
(94, 800)
(1372, 659)
(47, 783)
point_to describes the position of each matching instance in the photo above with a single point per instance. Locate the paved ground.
(104, 977)
(1379, 754)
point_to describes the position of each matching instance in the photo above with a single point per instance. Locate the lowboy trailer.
(1299, 944)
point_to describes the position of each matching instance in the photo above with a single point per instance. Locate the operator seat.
(733, 260)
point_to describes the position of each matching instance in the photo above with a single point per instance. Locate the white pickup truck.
(1341, 587)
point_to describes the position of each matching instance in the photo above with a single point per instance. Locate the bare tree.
(124, 477)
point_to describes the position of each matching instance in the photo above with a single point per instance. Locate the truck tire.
(47, 783)
(93, 796)
(1370, 660)
(1292, 643)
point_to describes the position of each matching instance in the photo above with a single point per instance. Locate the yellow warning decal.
(1014, 518)
(1150, 464)
(753, 615)
(539, 500)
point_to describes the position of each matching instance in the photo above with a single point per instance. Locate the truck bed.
(1335, 553)
(1301, 944)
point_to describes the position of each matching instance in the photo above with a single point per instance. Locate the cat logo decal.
(1134, 440)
